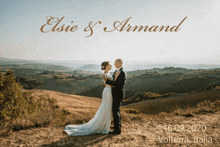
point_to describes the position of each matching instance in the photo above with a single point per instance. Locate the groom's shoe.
(112, 127)
(115, 132)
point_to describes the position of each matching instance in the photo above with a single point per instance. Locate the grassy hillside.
(142, 129)
(162, 84)
(70, 86)
(171, 103)
(72, 103)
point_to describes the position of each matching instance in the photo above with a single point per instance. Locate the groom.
(118, 94)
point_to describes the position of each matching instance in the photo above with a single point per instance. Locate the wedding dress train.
(100, 123)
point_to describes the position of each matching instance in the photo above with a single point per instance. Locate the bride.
(100, 123)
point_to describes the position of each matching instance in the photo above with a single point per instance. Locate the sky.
(197, 41)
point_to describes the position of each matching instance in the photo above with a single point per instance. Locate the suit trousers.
(116, 114)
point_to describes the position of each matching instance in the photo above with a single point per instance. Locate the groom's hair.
(119, 60)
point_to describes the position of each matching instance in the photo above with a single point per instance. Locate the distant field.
(70, 86)
(161, 83)
(156, 80)
(39, 78)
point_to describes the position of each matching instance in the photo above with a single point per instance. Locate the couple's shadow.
(86, 140)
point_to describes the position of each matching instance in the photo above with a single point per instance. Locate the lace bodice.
(109, 76)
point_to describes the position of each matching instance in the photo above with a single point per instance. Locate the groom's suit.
(118, 93)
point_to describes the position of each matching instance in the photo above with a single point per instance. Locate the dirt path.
(149, 132)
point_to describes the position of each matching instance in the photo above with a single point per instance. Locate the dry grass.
(63, 114)
(46, 125)
(174, 102)
(202, 108)
(69, 109)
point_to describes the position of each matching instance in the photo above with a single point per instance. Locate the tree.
(13, 102)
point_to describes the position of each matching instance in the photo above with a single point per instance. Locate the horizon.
(197, 41)
(128, 66)
(96, 62)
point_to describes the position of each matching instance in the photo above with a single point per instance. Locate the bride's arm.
(104, 81)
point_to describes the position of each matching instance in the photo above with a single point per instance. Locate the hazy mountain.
(90, 67)
(16, 64)
(13, 61)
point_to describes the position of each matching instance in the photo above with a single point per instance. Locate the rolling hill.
(70, 86)
(161, 83)
(171, 103)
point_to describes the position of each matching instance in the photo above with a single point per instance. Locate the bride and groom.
(112, 96)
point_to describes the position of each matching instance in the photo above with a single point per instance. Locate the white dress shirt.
(118, 69)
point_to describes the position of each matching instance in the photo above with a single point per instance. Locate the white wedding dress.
(100, 123)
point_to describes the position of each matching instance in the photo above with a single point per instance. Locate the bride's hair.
(104, 64)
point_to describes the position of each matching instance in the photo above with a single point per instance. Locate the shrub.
(133, 111)
(28, 84)
(13, 102)
(202, 108)
(21, 110)
(148, 95)
(216, 105)
(163, 114)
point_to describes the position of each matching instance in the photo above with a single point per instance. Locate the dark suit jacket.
(118, 92)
